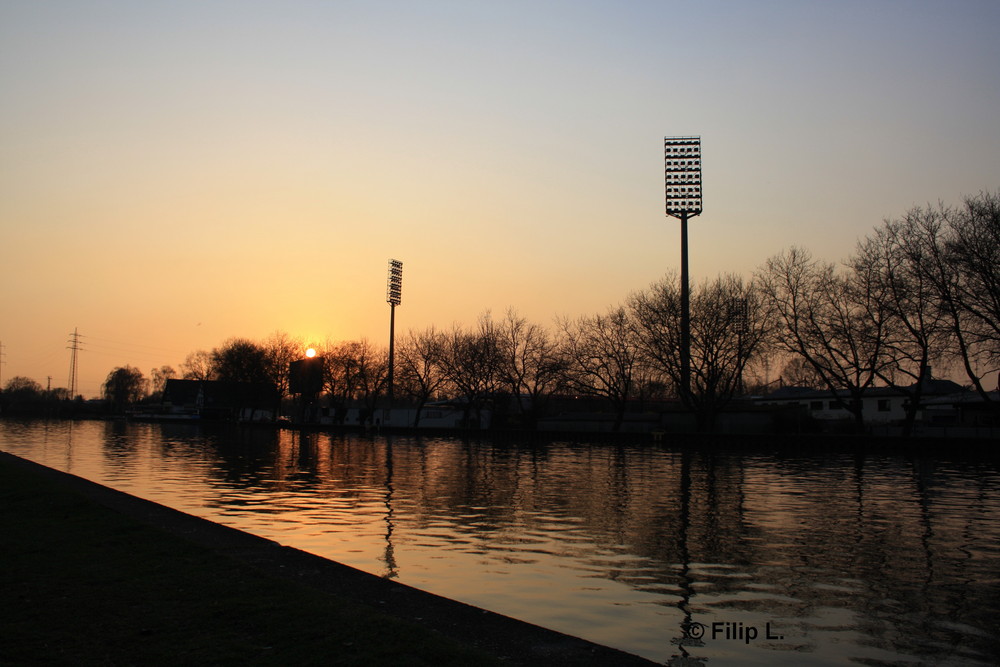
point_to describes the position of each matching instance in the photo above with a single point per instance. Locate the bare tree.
(974, 247)
(798, 373)
(340, 372)
(22, 384)
(889, 263)
(530, 364)
(830, 320)
(361, 370)
(373, 363)
(471, 364)
(280, 350)
(602, 357)
(944, 249)
(729, 331)
(241, 360)
(124, 387)
(21, 395)
(420, 372)
(197, 366)
(159, 377)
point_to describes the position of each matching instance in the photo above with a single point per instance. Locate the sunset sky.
(173, 174)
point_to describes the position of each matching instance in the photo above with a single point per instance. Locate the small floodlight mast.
(394, 290)
(682, 177)
(394, 297)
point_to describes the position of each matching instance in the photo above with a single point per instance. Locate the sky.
(173, 174)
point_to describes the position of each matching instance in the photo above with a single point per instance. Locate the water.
(724, 558)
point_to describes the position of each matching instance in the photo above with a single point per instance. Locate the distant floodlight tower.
(682, 176)
(394, 297)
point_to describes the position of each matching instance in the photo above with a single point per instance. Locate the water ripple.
(830, 558)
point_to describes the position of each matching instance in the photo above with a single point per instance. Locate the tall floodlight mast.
(682, 176)
(394, 297)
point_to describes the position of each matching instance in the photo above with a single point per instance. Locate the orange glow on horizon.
(273, 202)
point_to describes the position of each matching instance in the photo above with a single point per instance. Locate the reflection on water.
(689, 557)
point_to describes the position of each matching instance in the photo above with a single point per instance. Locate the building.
(879, 405)
(215, 399)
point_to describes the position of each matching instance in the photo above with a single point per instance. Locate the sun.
(310, 353)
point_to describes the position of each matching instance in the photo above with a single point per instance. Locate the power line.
(131, 346)
(74, 340)
(119, 351)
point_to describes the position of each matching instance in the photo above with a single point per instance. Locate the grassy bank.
(82, 584)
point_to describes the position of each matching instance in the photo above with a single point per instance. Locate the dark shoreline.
(948, 441)
(979, 447)
(507, 639)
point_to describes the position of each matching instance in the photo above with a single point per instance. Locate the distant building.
(215, 399)
(963, 409)
(879, 405)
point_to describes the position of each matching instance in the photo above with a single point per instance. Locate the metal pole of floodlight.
(682, 176)
(741, 323)
(393, 296)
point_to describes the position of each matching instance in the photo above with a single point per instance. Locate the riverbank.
(93, 576)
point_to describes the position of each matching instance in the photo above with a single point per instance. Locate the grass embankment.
(81, 584)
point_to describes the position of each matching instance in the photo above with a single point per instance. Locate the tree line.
(921, 290)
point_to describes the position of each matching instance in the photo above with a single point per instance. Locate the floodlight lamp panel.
(682, 175)
(394, 288)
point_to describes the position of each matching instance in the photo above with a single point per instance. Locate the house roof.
(964, 398)
(930, 388)
(790, 392)
(181, 392)
(942, 387)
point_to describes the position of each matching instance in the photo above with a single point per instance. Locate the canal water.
(684, 557)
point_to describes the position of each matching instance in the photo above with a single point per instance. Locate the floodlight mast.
(682, 179)
(394, 297)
